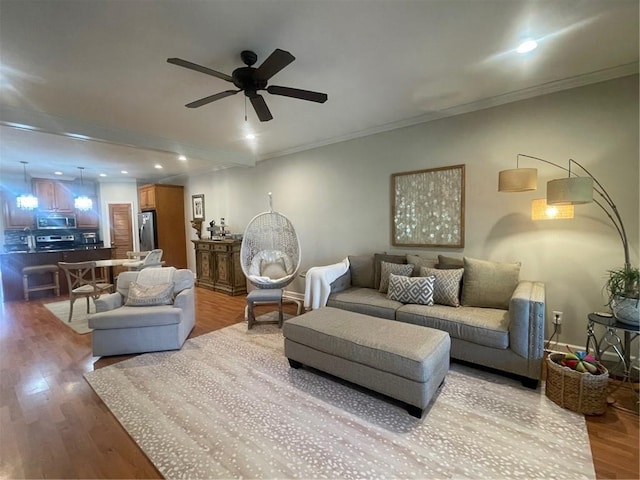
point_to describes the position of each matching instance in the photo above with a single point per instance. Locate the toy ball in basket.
(578, 382)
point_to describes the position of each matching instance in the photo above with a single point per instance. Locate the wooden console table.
(218, 266)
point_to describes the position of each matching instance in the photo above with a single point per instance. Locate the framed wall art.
(197, 206)
(427, 208)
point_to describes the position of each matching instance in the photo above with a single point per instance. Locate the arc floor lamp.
(573, 190)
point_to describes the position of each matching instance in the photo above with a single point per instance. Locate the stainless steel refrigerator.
(147, 233)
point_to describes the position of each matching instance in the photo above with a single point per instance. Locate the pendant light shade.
(570, 191)
(541, 210)
(26, 201)
(82, 202)
(518, 180)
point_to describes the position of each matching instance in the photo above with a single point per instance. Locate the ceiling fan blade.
(199, 68)
(211, 98)
(273, 64)
(260, 106)
(297, 93)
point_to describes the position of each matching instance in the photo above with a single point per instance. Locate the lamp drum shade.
(518, 180)
(570, 191)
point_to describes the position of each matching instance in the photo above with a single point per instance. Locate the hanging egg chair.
(270, 251)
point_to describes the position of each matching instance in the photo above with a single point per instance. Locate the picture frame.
(427, 207)
(197, 206)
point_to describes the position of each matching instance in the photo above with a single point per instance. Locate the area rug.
(229, 406)
(80, 320)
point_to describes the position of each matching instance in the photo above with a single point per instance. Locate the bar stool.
(38, 270)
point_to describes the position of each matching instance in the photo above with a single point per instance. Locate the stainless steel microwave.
(55, 222)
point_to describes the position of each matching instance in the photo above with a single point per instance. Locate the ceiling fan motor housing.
(243, 78)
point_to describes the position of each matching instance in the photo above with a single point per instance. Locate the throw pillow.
(447, 285)
(446, 263)
(149, 295)
(389, 268)
(419, 261)
(361, 269)
(378, 258)
(273, 269)
(489, 284)
(418, 290)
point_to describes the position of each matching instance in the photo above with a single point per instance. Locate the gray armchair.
(125, 323)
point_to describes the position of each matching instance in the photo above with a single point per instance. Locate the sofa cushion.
(389, 268)
(484, 326)
(445, 262)
(447, 285)
(489, 284)
(135, 317)
(365, 300)
(361, 269)
(378, 258)
(419, 261)
(411, 289)
(149, 295)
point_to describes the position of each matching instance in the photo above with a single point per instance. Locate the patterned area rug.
(80, 319)
(228, 406)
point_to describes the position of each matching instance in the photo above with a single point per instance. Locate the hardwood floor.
(52, 425)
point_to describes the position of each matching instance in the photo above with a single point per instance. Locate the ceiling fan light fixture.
(26, 201)
(527, 46)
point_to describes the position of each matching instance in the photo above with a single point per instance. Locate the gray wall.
(338, 196)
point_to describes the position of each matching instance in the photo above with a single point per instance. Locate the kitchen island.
(11, 265)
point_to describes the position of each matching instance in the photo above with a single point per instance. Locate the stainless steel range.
(54, 242)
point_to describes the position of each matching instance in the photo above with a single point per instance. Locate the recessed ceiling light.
(182, 158)
(103, 174)
(527, 46)
(124, 171)
(57, 173)
(158, 166)
(249, 136)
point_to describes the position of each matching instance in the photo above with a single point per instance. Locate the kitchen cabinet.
(147, 197)
(53, 196)
(218, 266)
(14, 217)
(167, 201)
(89, 218)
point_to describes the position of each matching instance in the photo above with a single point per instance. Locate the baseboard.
(558, 347)
(294, 295)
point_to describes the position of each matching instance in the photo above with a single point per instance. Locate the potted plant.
(623, 292)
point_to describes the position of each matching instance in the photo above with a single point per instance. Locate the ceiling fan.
(250, 80)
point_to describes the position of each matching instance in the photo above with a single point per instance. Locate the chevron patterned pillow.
(447, 286)
(418, 290)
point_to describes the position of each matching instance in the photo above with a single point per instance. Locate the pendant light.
(82, 202)
(26, 201)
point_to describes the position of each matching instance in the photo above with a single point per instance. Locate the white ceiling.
(98, 69)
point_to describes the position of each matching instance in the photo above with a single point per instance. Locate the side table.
(610, 340)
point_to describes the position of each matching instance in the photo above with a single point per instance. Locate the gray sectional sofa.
(498, 321)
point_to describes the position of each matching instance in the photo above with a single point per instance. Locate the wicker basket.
(580, 392)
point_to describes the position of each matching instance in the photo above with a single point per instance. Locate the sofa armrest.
(342, 282)
(527, 316)
(108, 302)
(184, 299)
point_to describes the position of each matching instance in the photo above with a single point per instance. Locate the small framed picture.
(197, 206)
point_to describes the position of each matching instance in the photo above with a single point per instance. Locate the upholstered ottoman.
(406, 362)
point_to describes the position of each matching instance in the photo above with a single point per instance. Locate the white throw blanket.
(154, 276)
(318, 283)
